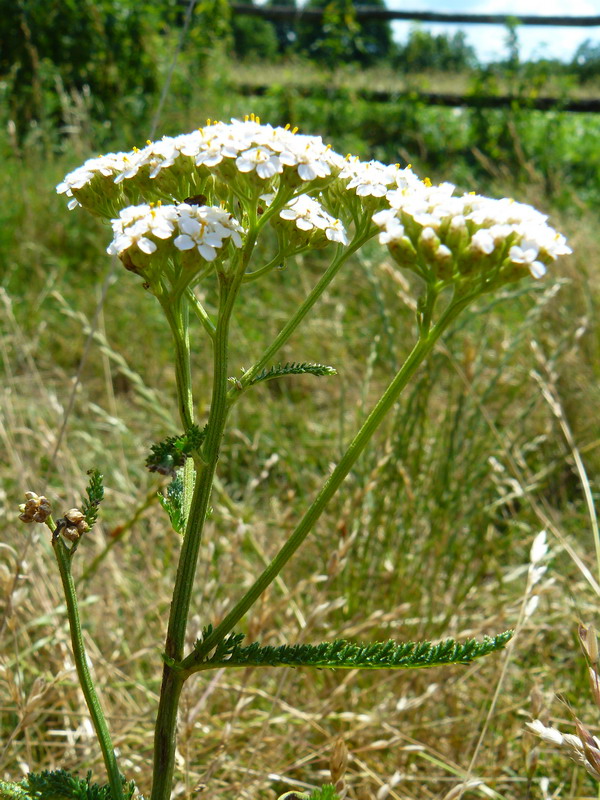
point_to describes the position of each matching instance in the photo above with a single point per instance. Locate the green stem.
(200, 312)
(177, 313)
(258, 273)
(285, 333)
(165, 732)
(83, 673)
(421, 350)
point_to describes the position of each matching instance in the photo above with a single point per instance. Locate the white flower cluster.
(374, 179)
(308, 215)
(106, 166)
(264, 150)
(433, 223)
(238, 165)
(203, 228)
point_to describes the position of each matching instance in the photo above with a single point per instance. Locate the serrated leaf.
(341, 654)
(293, 368)
(59, 785)
(170, 454)
(172, 503)
(95, 495)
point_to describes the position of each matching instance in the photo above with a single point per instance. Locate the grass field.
(496, 439)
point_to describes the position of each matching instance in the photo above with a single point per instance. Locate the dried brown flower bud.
(77, 521)
(71, 533)
(36, 509)
(75, 516)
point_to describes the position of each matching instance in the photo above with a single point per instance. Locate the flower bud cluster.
(446, 237)
(36, 509)
(147, 228)
(76, 525)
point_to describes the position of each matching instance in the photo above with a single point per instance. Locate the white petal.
(207, 252)
(146, 245)
(184, 242)
(537, 269)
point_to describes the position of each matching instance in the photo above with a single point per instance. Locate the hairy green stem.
(165, 732)
(177, 313)
(421, 350)
(63, 560)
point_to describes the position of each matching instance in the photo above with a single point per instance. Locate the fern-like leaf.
(172, 503)
(95, 495)
(59, 785)
(292, 368)
(341, 654)
(170, 454)
(12, 791)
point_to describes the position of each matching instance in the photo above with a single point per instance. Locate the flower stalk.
(421, 350)
(63, 558)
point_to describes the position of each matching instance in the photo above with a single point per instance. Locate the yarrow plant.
(192, 208)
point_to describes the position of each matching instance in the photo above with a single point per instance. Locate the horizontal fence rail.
(589, 106)
(581, 105)
(370, 12)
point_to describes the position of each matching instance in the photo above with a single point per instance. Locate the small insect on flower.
(196, 200)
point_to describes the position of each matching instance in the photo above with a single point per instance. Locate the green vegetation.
(479, 456)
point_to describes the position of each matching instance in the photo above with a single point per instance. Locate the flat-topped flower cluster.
(218, 150)
(444, 236)
(204, 190)
(201, 227)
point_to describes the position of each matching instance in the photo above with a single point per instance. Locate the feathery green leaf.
(166, 456)
(59, 785)
(341, 654)
(172, 503)
(292, 368)
(326, 792)
(95, 495)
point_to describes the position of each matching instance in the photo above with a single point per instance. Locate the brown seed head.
(589, 642)
(338, 761)
(77, 520)
(74, 515)
(71, 533)
(590, 746)
(35, 509)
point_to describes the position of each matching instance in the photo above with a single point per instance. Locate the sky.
(489, 40)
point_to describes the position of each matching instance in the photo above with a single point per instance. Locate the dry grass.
(303, 74)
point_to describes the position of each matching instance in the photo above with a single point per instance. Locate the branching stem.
(340, 259)
(421, 350)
